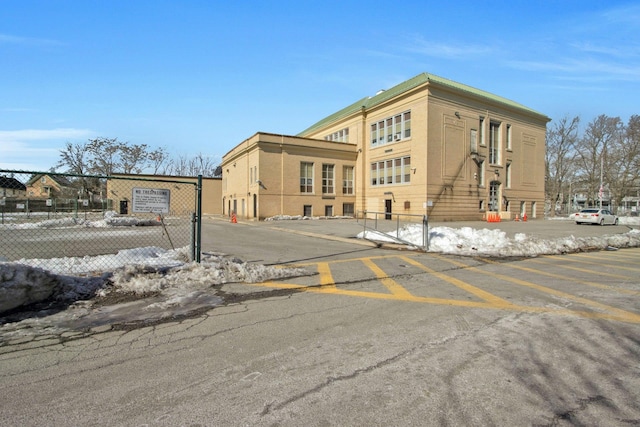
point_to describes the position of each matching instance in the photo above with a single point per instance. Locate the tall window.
(328, 179)
(508, 137)
(393, 171)
(347, 180)
(406, 117)
(494, 143)
(481, 131)
(306, 177)
(494, 196)
(481, 174)
(374, 134)
(391, 129)
(507, 183)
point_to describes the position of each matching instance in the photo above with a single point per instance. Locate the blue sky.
(202, 76)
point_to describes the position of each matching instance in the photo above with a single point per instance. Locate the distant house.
(11, 187)
(47, 186)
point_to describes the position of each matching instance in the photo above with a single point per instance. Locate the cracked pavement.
(288, 357)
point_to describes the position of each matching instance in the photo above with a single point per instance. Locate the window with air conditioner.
(392, 129)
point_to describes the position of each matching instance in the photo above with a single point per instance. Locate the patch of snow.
(469, 241)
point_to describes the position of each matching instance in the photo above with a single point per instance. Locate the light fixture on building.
(457, 114)
(497, 172)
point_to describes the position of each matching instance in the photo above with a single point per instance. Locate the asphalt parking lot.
(239, 239)
(374, 336)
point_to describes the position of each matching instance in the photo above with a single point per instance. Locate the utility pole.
(601, 191)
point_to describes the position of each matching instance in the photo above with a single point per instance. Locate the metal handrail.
(389, 216)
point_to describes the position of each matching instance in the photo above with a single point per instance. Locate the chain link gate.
(46, 215)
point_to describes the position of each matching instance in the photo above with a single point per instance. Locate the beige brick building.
(182, 197)
(426, 146)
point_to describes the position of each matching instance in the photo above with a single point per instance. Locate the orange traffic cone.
(234, 220)
(517, 218)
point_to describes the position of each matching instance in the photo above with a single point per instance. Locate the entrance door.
(494, 196)
(387, 209)
(255, 205)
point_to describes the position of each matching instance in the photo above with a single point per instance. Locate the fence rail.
(46, 216)
(391, 224)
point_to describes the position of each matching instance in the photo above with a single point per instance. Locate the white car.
(596, 216)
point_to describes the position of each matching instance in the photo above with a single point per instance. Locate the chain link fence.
(107, 221)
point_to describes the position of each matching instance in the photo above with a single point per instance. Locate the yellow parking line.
(571, 279)
(624, 317)
(326, 279)
(583, 270)
(393, 297)
(399, 293)
(623, 314)
(388, 282)
(599, 259)
(484, 295)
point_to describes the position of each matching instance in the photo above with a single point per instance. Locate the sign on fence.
(147, 200)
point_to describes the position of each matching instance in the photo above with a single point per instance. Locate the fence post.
(193, 237)
(199, 216)
(364, 227)
(425, 232)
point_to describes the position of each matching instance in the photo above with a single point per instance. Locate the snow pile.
(111, 219)
(149, 256)
(470, 241)
(141, 272)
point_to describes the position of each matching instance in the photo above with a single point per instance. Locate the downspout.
(281, 175)
(364, 170)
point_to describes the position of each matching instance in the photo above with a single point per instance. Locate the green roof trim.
(407, 85)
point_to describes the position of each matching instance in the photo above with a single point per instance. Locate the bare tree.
(623, 161)
(159, 162)
(74, 158)
(133, 157)
(203, 165)
(592, 160)
(104, 155)
(193, 166)
(559, 161)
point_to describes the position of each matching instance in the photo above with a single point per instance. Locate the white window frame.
(391, 129)
(495, 147)
(348, 180)
(328, 179)
(389, 172)
(306, 182)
